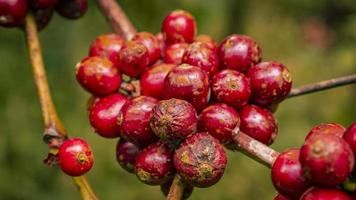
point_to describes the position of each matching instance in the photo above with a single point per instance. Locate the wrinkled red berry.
(107, 46)
(327, 159)
(103, 115)
(151, 43)
(154, 164)
(207, 39)
(43, 17)
(350, 138)
(133, 58)
(239, 52)
(152, 80)
(72, 9)
(75, 157)
(178, 26)
(188, 189)
(42, 4)
(200, 159)
(173, 119)
(219, 120)
(287, 174)
(174, 53)
(231, 87)
(271, 83)
(12, 13)
(327, 128)
(325, 194)
(98, 76)
(126, 153)
(134, 120)
(189, 83)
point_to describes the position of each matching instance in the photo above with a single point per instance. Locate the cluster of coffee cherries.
(194, 93)
(13, 12)
(321, 168)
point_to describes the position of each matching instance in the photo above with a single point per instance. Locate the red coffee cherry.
(91, 101)
(202, 55)
(107, 46)
(42, 4)
(219, 120)
(271, 83)
(200, 159)
(72, 9)
(231, 87)
(75, 157)
(98, 76)
(287, 174)
(173, 119)
(327, 128)
(178, 26)
(126, 153)
(208, 40)
(189, 83)
(103, 115)
(281, 197)
(327, 159)
(151, 43)
(154, 164)
(152, 80)
(12, 13)
(325, 194)
(188, 189)
(133, 59)
(134, 120)
(350, 138)
(174, 53)
(258, 123)
(43, 17)
(239, 52)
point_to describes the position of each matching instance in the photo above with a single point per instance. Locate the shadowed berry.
(350, 138)
(43, 17)
(327, 128)
(281, 197)
(133, 59)
(174, 53)
(208, 40)
(42, 4)
(12, 13)
(178, 26)
(126, 153)
(151, 43)
(72, 9)
(325, 194)
(188, 189)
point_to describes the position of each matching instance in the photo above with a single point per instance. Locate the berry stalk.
(177, 188)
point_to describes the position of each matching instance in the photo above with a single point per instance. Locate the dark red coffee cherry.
(219, 120)
(107, 46)
(239, 52)
(151, 43)
(126, 153)
(287, 174)
(103, 115)
(174, 53)
(258, 123)
(134, 59)
(281, 197)
(12, 13)
(75, 157)
(42, 4)
(202, 55)
(327, 159)
(134, 120)
(200, 159)
(178, 26)
(188, 189)
(154, 164)
(208, 40)
(350, 138)
(72, 9)
(327, 128)
(271, 83)
(325, 194)
(43, 17)
(173, 119)
(98, 76)
(189, 83)
(231, 87)
(152, 80)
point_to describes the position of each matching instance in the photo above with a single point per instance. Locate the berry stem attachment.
(55, 132)
(177, 188)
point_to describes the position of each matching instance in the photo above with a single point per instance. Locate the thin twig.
(177, 188)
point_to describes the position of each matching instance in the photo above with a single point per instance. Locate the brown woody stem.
(177, 188)
(55, 132)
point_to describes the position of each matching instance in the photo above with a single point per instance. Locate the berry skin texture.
(173, 54)
(325, 194)
(75, 157)
(326, 159)
(154, 164)
(107, 46)
(200, 159)
(287, 174)
(271, 83)
(189, 83)
(258, 123)
(188, 189)
(133, 59)
(327, 128)
(173, 119)
(178, 26)
(208, 40)
(151, 43)
(72, 9)
(134, 120)
(152, 80)
(42, 4)
(103, 115)
(231, 87)
(98, 76)
(126, 153)
(219, 120)
(12, 13)
(239, 52)
(350, 138)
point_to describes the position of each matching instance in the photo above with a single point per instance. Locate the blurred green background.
(315, 39)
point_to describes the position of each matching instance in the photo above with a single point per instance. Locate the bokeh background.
(315, 39)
